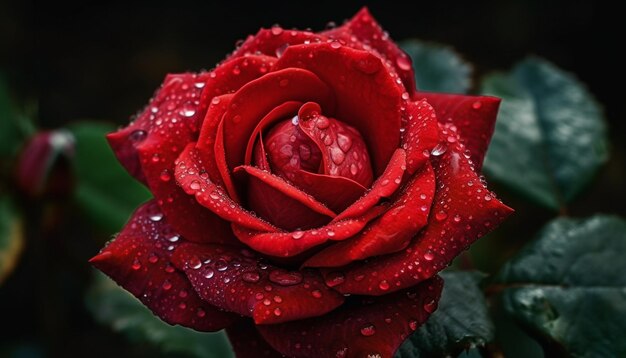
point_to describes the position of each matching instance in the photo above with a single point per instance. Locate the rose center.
(317, 144)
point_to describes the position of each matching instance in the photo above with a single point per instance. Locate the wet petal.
(366, 327)
(473, 116)
(389, 233)
(139, 260)
(192, 179)
(463, 210)
(293, 243)
(335, 192)
(421, 134)
(237, 281)
(385, 186)
(259, 97)
(281, 203)
(274, 41)
(364, 32)
(367, 96)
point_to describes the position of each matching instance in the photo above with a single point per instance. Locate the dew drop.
(215, 100)
(337, 155)
(353, 169)
(430, 305)
(138, 135)
(278, 299)
(237, 118)
(173, 238)
(285, 278)
(201, 313)
(441, 215)
(439, 149)
(136, 265)
(368, 330)
(322, 122)
(488, 197)
(195, 263)
(344, 142)
(335, 44)
(165, 176)
(335, 278)
(383, 285)
(405, 96)
(277, 30)
(187, 111)
(152, 258)
(457, 218)
(251, 277)
(330, 233)
(429, 256)
(280, 50)
(316, 293)
(413, 325)
(183, 294)
(404, 63)
(277, 312)
(477, 105)
(194, 185)
(166, 285)
(221, 265)
(209, 273)
(156, 217)
(297, 235)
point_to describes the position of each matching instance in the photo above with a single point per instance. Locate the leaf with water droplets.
(114, 307)
(11, 237)
(550, 135)
(461, 321)
(568, 286)
(438, 68)
(97, 171)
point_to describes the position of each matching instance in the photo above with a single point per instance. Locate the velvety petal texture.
(305, 194)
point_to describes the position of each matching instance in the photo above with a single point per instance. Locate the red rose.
(305, 194)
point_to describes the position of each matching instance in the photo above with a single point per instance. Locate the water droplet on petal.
(297, 234)
(209, 273)
(165, 176)
(194, 185)
(383, 285)
(368, 330)
(221, 265)
(430, 305)
(284, 278)
(404, 63)
(156, 217)
(335, 278)
(477, 105)
(335, 44)
(138, 135)
(322, 122)
(166, 285)
(429, 256)
(439, 149)
(251, 277)
(405, 96)
(201, 313)
(316, 293)
(153, 258)
(277, 311)
(441, 215)
(195, 263)
(136, 265)
(215, 100)
(413, 325)
(277, 30)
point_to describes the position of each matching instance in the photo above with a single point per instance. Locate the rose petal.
(193, 181)
(234, 73)
(259, 97)
(237, 281)
(364, 32)
(367, 327)
(281, 112)
(139, 260)
(463, 210)
(274, 41)
(367, 96)
(335, 192)
(344, 152)
(208, 136)
(421, 134)
(248, 343)
(293, 243)
(473, 116)
(384, 187)
(281, 203)
(389, 233)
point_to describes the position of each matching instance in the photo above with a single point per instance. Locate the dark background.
(103, 61)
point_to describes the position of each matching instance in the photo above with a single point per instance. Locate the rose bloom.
(305, 194)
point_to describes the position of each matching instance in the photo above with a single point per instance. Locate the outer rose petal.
(366, 31)
(193, 181)
(259, 97)
(474, 117)
(289, 244)
(390, 232)
(248, 343)
(281, 203)
(369, 327)
(464, 210)
(139, 260)
(384, 187)
(274, 41)
(367, 96)
(237, 281)
(421, 134)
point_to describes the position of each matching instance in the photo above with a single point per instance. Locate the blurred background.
(103, 61)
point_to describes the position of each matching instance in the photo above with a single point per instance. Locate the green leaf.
(460, 322)
(105, 191)
(437, 67)
(114, 307)
(568, 287)
(11, 237)
(550, 135)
